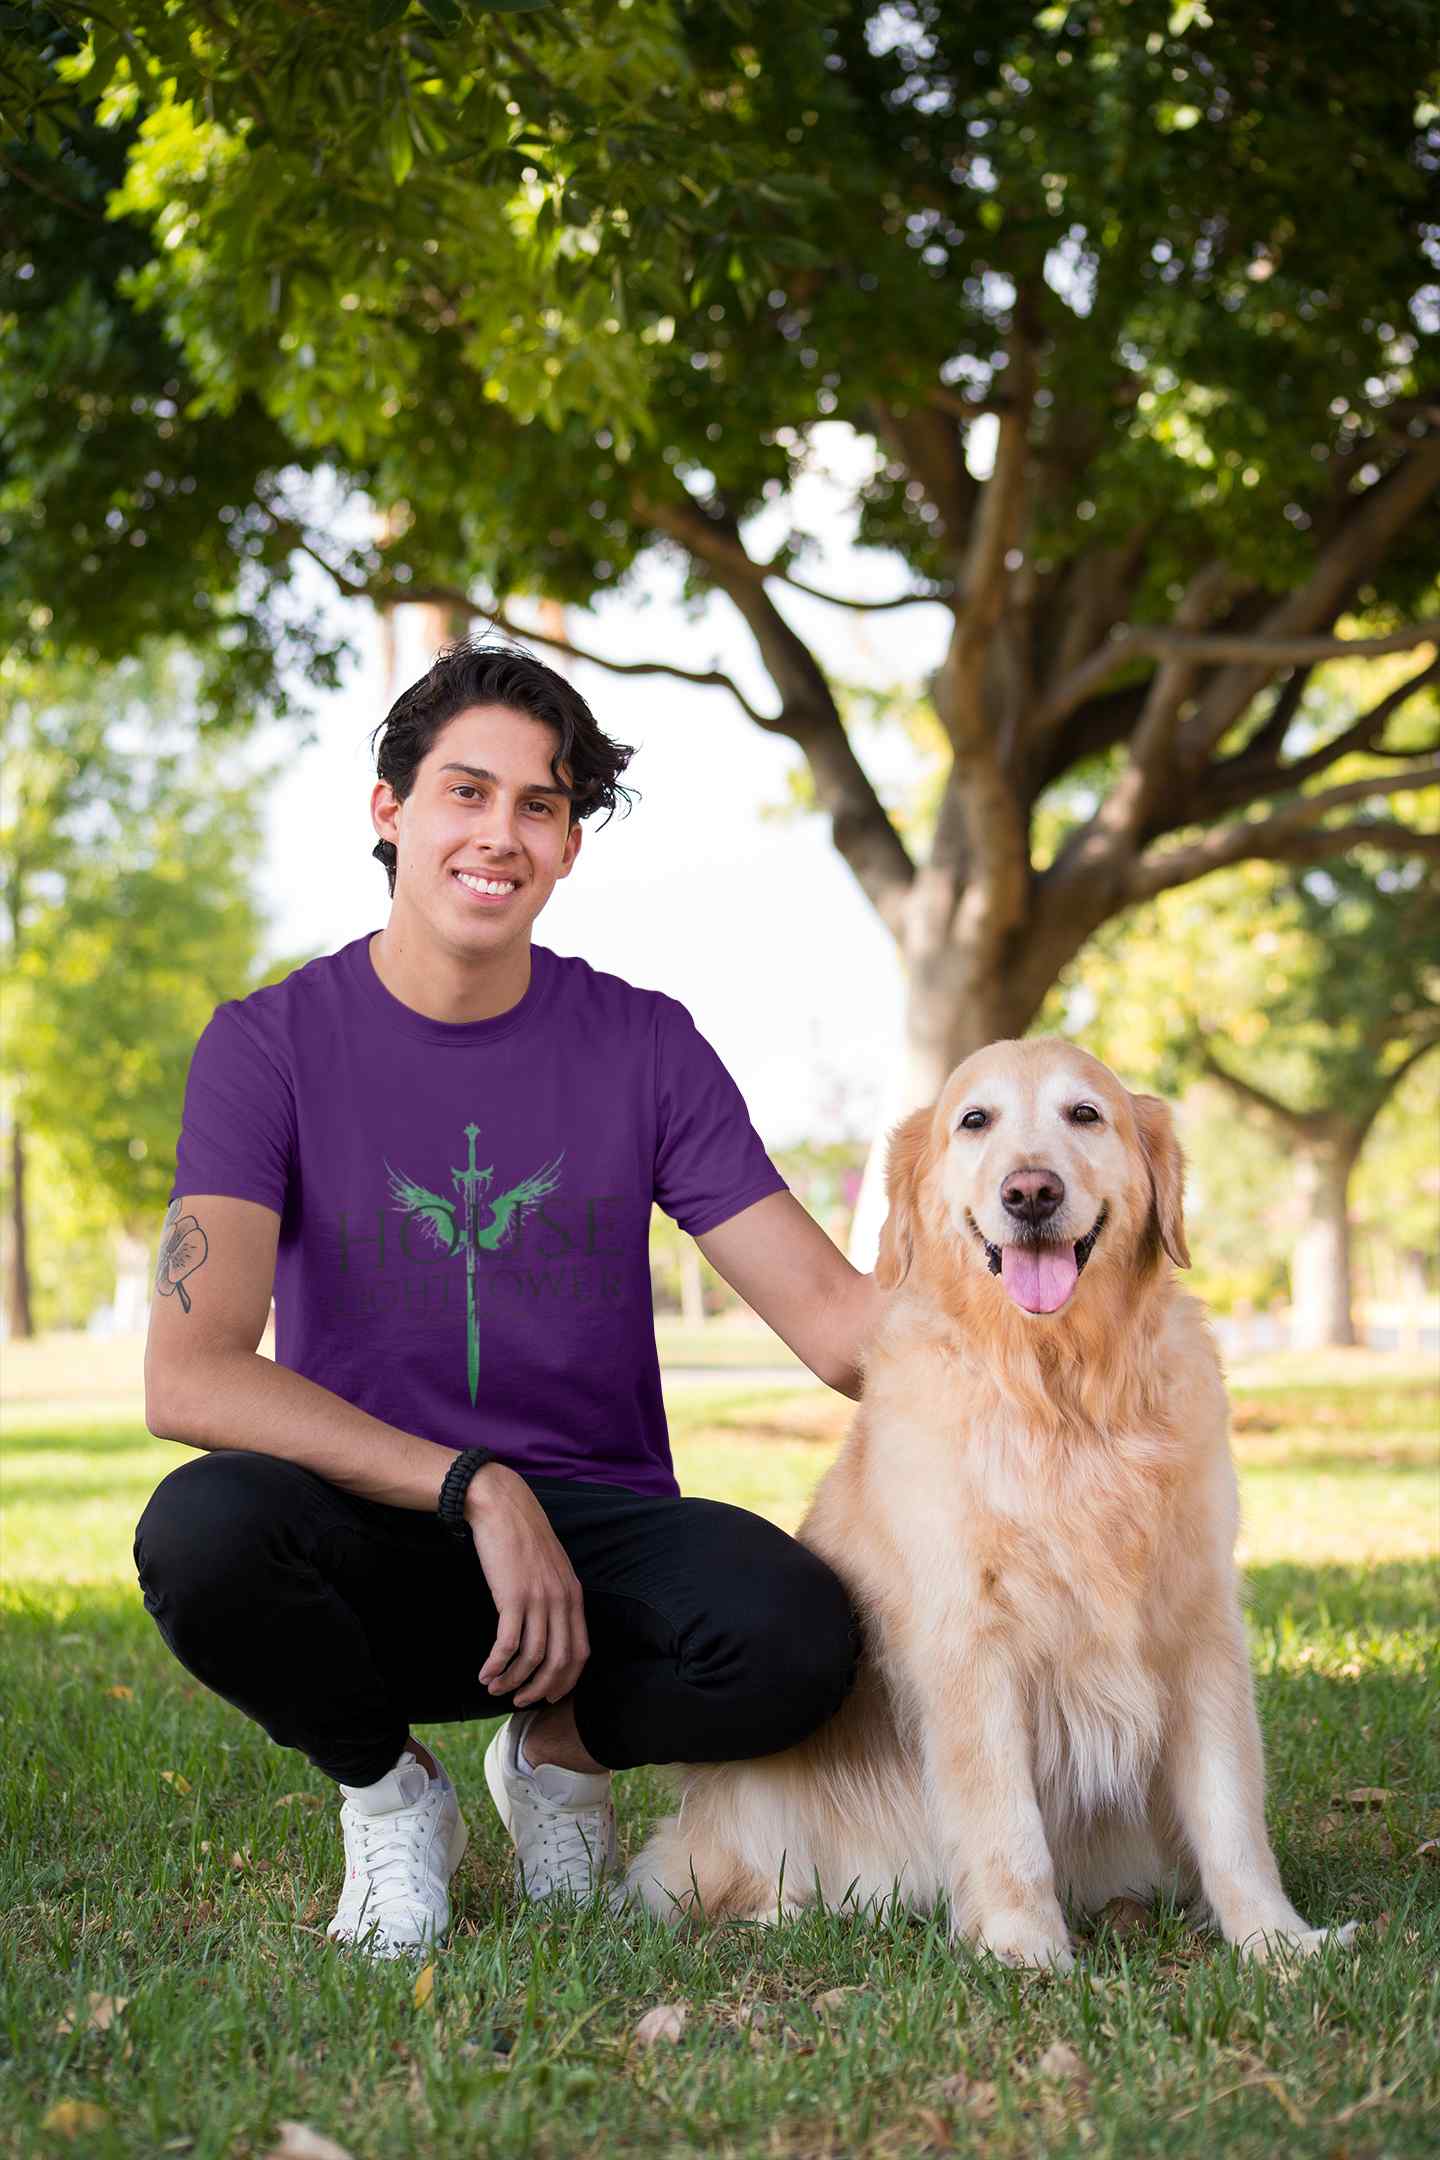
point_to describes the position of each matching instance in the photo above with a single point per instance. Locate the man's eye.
(973, 1120)
(541, 806)
(1085, 1114)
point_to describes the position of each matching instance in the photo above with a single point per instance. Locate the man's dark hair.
(466, 674)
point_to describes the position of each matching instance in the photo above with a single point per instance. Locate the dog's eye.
(1085, 1113)
(973, 1120)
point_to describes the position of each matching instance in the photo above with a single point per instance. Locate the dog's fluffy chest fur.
(1055, 1543)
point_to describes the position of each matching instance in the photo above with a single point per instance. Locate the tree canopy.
(1131, 305)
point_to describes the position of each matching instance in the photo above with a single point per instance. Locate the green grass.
(202, 1897)
(723, 1343)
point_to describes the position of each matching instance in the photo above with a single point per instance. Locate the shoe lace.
(575, 1838)
(390, 1850)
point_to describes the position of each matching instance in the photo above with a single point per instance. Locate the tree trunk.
(953, 1007)
(1320, 1266)
(22, 1326)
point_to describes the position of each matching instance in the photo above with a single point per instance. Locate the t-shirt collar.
(391, 1012)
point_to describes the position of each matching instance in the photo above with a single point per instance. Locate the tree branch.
(997, 845)
(453, 596)
(1383, 511)
(960, 407)
(1269, 738)
(66, 202)
(928, 442)
(943, 596)
(1267, 653)
(860, 826)
(1245, 779)
(1392, 1079)
(714, 540)
(1288, 835)
(1294, 1122)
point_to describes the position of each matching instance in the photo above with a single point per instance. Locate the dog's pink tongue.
(1039, 1277)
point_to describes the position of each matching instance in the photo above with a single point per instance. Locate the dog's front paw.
(1023, 1939)
(1269, 1945)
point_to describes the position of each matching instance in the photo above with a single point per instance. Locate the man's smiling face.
(483, 834)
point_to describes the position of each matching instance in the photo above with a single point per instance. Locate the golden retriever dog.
(1035, 1513)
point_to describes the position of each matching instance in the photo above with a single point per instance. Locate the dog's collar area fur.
(1083, 1246)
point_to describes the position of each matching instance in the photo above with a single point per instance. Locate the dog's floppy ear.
(903, 1165)
(1166, 1165)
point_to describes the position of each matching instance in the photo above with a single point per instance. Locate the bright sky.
(756, 925)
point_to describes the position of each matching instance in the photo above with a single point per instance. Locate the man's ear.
(1166, 1165)
(572, 849)
(903, 1168)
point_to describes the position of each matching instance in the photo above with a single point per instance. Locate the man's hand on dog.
(541, 1643)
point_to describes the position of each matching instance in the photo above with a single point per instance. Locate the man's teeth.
(490, 885)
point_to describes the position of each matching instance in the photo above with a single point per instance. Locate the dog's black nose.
(1032, 1196)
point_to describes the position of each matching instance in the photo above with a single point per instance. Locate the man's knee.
(211, 1519)
(782, 1646)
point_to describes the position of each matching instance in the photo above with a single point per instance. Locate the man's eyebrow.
(478, 772)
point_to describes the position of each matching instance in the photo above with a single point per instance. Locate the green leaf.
(399, 148)
(786, 248)
(382, 13)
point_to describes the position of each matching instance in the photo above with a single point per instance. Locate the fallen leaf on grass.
(1362, 1796)
(976, 2095)
(933, 2131)
(1125, 1916)
(121, 1693)
(301, 1799)
(665, 2022)
(71, 2118)
(835, 1999)
(1430, 1850)
(1060, 2061)
(174, 1777)
(102, 2013)
(299, 2142)
(424, 1987)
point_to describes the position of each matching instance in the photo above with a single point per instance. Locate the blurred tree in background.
(1127, 311)
(1307, 998)
(1124, 306)
(127, 861)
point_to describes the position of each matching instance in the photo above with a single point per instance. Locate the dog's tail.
(687, 1872)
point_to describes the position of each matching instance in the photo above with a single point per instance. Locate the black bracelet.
(451, 1508)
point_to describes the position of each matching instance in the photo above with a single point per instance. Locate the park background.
(688, 343)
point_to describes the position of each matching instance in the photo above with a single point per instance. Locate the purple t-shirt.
(465, 1206)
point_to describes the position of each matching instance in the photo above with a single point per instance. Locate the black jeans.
(337, 1623)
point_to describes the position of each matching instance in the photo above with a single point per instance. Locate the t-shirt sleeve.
(709, 1160)
(237, 1132)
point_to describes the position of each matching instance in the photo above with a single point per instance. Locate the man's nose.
(1032, 1196)
(495, 829)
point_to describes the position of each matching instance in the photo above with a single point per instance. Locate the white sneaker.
(404, 1838)
(562, 1822)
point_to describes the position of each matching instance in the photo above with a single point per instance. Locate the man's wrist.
(455, 1487)
(483, 1490)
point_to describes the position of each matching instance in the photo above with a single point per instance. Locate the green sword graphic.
(438, 1216)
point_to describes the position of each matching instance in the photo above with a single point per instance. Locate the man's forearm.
(239, 1399)
(855, 1313)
